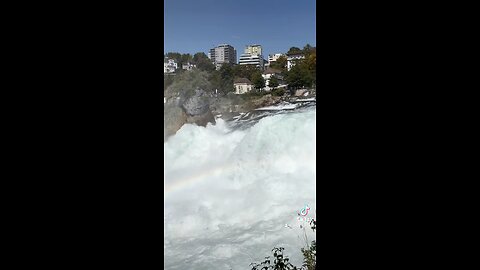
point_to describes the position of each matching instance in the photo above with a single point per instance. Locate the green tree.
(311, 66)
(187, 58)
(184, 84)
(307, 49)
(273, 82)
(299, 76)
(215, 80)
(258, 81)
(203, 62)
(310, 252)
(280, 64)
(244, 71)
(294, 50)
(222, 79)
(175, 56)
(280, 262)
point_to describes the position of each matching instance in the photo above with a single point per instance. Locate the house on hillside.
(293, 58)
(169, 66)
(270, 73)
(242, 86)
(273, 58)
(188, 66)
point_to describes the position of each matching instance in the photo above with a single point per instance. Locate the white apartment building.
(273, 58)
(252, 56)
(188, 66)
(292, 59)
(268, 74)
(170, 66)
(248, 59)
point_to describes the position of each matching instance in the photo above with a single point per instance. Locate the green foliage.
(167, 81)
(278, 92)
(180, 59)
(222, 79)
(273, 82)
(253, 94)
(313, 224)
(280, 262)
(294, 50)
(307, 50)
(258, 81)
(174, 55)
(187, 58)
(215, 80)
(245, 71)
(203, 62)
(311, 65)
(310, 256)
(185, 84)
(299, 76)
(303, 74)
(310, 253)
(280, 64)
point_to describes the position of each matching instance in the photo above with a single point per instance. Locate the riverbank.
(203, 108)
(232, 105)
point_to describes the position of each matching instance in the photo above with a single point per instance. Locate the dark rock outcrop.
(193, 109)
(174, 118)
(202, 119)
(197, 104)
(198, 107)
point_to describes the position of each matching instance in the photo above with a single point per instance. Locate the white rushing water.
(230, 194)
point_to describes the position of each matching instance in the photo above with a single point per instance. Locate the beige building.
(252, 56)
(242, 86)
(254, 49)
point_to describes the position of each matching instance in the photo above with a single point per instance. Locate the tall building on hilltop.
(252, 56)
(248, 59)
(254, 49)
(223, 54)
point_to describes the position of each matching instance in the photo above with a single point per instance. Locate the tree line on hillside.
(302, 74)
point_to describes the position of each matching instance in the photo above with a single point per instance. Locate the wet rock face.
(202, 120)
(174, 118)
(194, 109)
(197, 104)
(264, 101)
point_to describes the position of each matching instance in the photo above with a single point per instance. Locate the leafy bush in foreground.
(281, 262)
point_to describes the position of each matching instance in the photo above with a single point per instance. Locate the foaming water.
(229, 193)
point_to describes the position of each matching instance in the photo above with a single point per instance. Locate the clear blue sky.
(193, 26)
